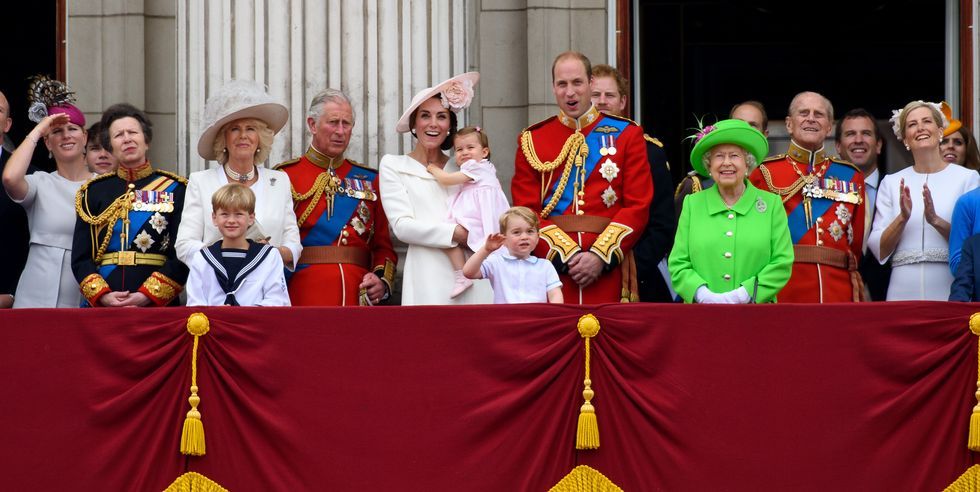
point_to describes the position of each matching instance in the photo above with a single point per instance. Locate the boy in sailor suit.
(236, 271)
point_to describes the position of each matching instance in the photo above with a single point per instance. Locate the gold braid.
(315, 191)
(567, 156)
(786, 192)
(105, 220)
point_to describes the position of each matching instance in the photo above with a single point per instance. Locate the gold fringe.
(194, 482)
(585, 479)
(587, 435)
(192, 437)
(969, 481)
(974, 439)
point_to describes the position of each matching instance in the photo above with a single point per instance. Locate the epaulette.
(362, 166)
(540, 123)
(844, 162)
(652, 140)
(621, 118)
(97, 178)
(180, 179)
(774, 158)
(278, 167)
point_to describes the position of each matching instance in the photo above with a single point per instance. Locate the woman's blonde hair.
(266, 137)
(233, 197)
(521, 212)
(904, 116)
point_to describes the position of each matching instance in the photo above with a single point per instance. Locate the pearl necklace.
(241, 178)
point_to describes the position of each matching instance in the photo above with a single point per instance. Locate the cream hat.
(456, 94)
(235, 100)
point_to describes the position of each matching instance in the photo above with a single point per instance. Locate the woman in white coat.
(416, 204)
(241, 121)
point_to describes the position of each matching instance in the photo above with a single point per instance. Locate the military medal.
(760, 205)
(609, 197)
(364, 212)
(609, 170)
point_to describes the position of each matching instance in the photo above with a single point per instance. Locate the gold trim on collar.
(322, 160)
(134, 174)
(803, 156)
(583, 121)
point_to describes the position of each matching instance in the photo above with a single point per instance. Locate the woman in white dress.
(914, 207)
(49, 198)
(241, 122)
(416, 204)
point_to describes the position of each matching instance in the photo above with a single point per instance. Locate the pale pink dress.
(478, 204)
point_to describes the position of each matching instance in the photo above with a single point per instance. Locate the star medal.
(609, 197)
(358, 225)
(363, 212)
(609, 170)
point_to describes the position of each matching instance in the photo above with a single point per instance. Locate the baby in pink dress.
(479, 201)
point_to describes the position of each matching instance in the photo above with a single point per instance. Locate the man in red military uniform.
(347, 257)
(586, 174)
(824, 200)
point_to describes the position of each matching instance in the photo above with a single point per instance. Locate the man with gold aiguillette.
(347, 257)
(123, 250)
(586, 174)
(824, 200)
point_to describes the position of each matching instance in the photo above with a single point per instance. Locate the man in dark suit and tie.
(13, 225)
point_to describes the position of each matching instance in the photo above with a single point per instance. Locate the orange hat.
(954, 124)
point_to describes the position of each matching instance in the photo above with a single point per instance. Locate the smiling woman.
(733, 244)
(241, 122)
(415, 202)
(48, 198)
(914, 207)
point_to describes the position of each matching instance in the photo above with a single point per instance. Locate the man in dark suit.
(859, 142)
(964, 288)
(13, 224)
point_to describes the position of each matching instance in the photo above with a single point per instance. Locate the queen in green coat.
(733, 244)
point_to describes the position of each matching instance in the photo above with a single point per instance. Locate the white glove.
(704, 295)
(737, 296)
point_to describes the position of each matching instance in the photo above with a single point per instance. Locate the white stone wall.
(123, 51)
(380, 52)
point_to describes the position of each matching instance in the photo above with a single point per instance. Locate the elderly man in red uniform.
(347, 257)
(586, 174)
(824, 200)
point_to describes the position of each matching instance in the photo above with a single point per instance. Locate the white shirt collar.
(507, 256)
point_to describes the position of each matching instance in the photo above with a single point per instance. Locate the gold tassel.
(192, 437)
(587, 436)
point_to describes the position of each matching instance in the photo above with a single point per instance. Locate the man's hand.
(374, 287)
(114, 299)
(585, 268)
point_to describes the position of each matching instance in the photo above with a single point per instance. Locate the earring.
(413, 131)
(256, 151)
(50, 155)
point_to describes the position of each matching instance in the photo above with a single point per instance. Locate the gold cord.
(573, 154)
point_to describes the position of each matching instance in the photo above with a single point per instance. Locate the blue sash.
(819, 206)
(593, 141)
(326, 231)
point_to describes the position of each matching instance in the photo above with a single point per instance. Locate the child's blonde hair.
(481, 135)
(233, 197)
(520, 212)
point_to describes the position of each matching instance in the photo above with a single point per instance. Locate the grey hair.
(335, 95)
(750, 160)
(830, 107)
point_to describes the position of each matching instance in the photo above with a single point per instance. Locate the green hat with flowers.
(736, 132)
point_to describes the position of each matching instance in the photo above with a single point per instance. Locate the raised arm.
(15, 171)
(448, 179)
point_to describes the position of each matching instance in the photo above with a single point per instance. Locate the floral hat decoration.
(50, 96)
(896, 119)
(455, 93)
(732, 131)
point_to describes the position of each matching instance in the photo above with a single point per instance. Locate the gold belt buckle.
(127, 258)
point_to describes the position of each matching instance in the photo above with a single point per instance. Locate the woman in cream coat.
(242, 121)
(415, 202)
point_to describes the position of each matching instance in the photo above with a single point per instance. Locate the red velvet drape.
(779, 397)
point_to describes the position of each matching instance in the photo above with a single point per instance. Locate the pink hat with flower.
(49, 96)
(456, 94)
